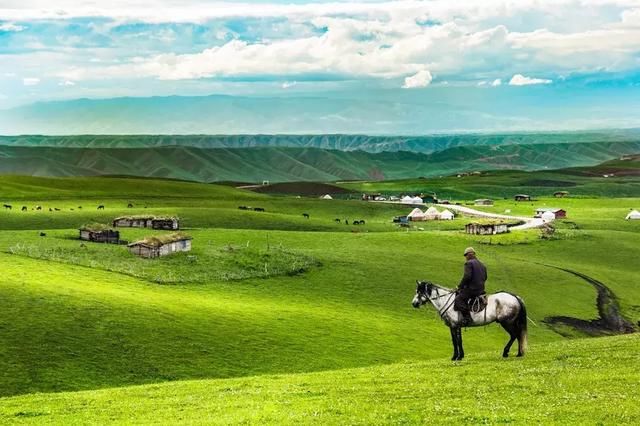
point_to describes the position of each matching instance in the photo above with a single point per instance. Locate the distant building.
(561, 194)
(558, 213)
(371, 197)
(99, 233)
(479, 228)
(161, 245)
(153, 222)
(327, 197)
(483, 202)
(446, 215)
(633, 215)
(522, 197)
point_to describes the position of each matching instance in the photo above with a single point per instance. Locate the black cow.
(336, 220)
(38, 207)
(79, 207)
(305, 215)
(258, 209)
(43, 234)
(243, 207)
(24, 208)
(56, 209)
(101, 207)
(129, 206)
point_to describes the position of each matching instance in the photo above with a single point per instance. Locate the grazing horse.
(24, 208)
(129, 206)
(305, 215)
(38, 207)
(101, 207)
(336, 220)
(506, 309)
(8, 206)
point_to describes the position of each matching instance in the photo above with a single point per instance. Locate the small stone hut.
(483, 202)
(153, 222)
(486, 228)
(161, 245)
(99, 233)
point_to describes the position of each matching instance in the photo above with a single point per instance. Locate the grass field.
(272, 293)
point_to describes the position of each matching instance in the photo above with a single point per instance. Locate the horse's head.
(423, 293)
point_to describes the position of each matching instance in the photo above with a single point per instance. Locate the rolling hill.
(298, 164)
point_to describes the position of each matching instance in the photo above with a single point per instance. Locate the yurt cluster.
(431, 213)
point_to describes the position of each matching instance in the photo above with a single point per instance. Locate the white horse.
(506, 309)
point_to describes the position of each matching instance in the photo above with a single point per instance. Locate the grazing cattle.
(38, 207)
(129, 206)
(337, 220)
(50, 209)
(243, 207)
(362, 222)
(79, 207)
(258, 209)
(100, 207)
(24, 208)
(43, 234)
(71, 209)
(305, 215)
(56, 209)
(8, 206)
(346, 221)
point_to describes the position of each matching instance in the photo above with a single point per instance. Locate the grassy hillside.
(299, 164)
(594, 381)
(75, 318)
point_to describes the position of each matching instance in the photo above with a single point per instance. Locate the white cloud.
(482, 83)
(11, 27)
(30, 81)
(288, 84)
(521, 80)
(67, 83)
(497, 82)
(421, 79)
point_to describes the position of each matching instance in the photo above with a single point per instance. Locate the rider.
(471, 285)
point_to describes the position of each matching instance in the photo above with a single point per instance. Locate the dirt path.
(529, 222)
(610, 321)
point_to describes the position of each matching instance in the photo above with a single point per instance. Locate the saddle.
(477, 304)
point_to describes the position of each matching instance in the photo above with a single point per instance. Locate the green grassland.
(331, 297)
(586, 381)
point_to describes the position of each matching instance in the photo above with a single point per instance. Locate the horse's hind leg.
(460, 348)
(454, 341)
(512, 337)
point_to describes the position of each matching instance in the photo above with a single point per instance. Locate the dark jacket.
(475, 275)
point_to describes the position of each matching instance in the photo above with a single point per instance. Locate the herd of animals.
(130, 205)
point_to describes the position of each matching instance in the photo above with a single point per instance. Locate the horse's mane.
(441, 287)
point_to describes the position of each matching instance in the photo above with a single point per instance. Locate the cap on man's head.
(469, 250)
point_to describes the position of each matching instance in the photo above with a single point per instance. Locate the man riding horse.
(471, 285)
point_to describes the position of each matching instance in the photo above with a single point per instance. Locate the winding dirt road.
(529, 222)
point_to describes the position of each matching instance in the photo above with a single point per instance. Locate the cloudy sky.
(68, 49)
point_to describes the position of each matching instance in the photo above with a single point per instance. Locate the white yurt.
(417, 200)
(406, 200)
(327, 197)
(633, 215)
(548, 216)
(446, 215)
(416, 215)
(432, 213)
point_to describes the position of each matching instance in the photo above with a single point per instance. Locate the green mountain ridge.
(279, 164)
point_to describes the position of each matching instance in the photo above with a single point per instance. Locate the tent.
(327, 197)
(548, 216)
(416, 214)
(417, 200)
(406, 200)
(446, 215)
(432, 213)
(633, 215)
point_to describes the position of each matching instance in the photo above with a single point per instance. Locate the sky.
(70, 49)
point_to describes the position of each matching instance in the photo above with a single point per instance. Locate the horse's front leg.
(454, 340)
(460, 348)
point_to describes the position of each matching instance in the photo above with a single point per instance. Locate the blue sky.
(69, 49)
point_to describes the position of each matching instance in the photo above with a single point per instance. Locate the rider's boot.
(466, 319)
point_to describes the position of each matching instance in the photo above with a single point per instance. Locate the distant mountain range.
(198, 159)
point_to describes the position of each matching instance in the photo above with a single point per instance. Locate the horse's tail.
(521, 321)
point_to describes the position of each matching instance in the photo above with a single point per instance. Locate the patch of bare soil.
(609, 321)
